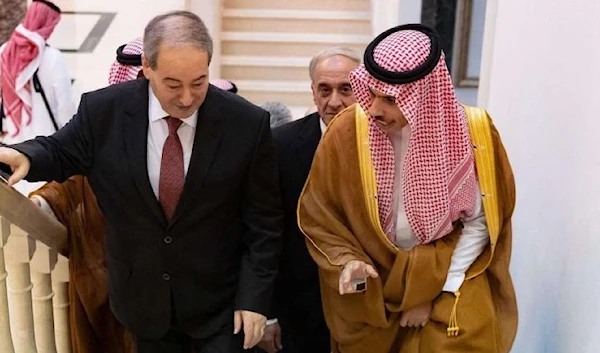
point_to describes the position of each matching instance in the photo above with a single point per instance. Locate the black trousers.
(178, 341)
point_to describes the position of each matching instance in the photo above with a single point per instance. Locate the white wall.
(210, 12)
(543, 92)
(466, 95)
(409, 11)
(90, 70)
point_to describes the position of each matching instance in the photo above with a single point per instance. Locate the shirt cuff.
(272, 322)
(453, 282)
(44, 206)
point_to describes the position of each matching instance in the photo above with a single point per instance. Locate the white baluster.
(19, 250)
(42, 264)
(6, 343)
(60, 286)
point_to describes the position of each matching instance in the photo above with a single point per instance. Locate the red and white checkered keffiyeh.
(123, 73)
(21, 58)
(225, 85)
(438, 179)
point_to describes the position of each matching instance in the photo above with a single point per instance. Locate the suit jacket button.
(166, 276)
(168, 240)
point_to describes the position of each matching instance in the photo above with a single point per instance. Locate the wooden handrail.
(23, 213)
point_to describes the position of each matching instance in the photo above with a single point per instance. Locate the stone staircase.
(266, 45)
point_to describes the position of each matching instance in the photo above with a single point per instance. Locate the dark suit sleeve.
(68, 152)
(279, 293)
(263, 218)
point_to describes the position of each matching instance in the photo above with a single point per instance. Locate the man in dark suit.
(297, 296)
(185, 175)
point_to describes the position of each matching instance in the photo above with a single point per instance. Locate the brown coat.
(338, 214)
(94, 329)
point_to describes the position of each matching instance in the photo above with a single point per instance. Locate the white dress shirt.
(471, 242)
(158, 130)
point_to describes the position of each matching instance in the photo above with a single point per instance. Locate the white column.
(210, 12)
(386, 14)
(6, 343)
(487, 53)
(542, 77)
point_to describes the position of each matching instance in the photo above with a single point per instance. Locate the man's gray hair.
(280, 114)
(177, 28)
(328, 53)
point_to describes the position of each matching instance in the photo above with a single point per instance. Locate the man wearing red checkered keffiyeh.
(128, 64)
(409, 200)
(35, 85)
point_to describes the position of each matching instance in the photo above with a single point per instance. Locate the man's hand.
(271, 341)
(254, 326)
(18, 163)
(417, 316)
(353, 271)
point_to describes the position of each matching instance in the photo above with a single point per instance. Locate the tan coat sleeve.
(322, 217)
(63, 199)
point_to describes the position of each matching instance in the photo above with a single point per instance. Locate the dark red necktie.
(172, 174)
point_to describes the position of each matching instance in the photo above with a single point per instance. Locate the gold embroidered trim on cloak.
(485, 162)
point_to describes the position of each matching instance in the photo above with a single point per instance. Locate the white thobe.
(474, 235)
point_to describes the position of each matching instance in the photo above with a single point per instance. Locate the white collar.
(156, 112)
(322, 125)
